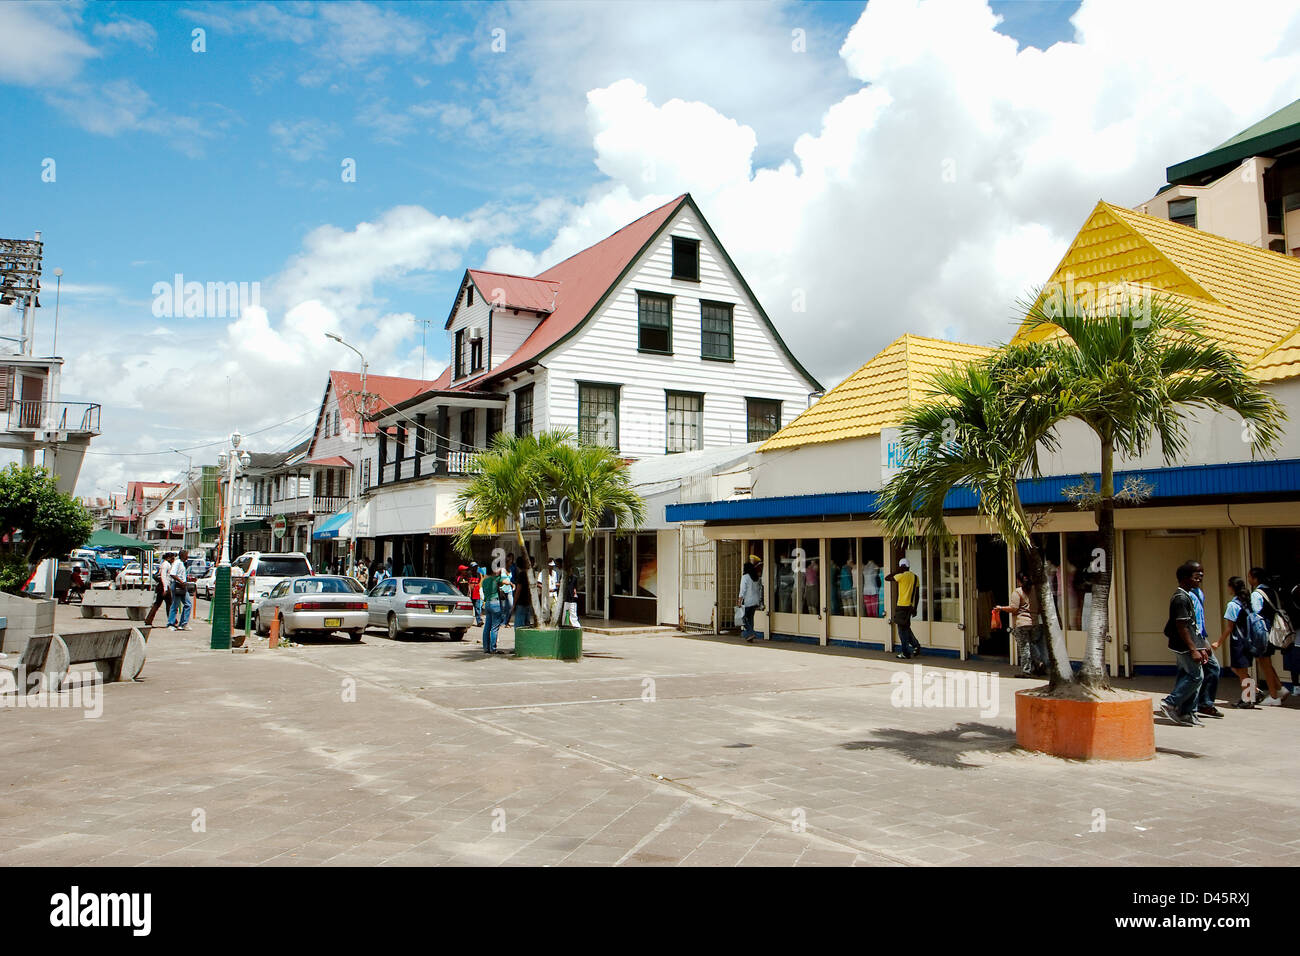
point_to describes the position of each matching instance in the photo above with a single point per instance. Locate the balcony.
(79, 417)
(432, 465)
(253, 510)
(309, 504)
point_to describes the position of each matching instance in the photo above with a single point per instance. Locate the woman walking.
(1264, 602)
(1025, 609)
(750, 600)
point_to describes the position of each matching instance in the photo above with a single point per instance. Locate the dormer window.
(686, 259)
(469, 296)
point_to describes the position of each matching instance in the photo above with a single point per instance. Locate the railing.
(328, 505)
(254, 511)
(462, 462)
(63, 416)
(304, 504)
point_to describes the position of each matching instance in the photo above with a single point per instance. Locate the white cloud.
(39, 44)
(129, 29)
(303, 139)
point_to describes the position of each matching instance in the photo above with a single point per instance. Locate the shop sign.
(278, 527)
(559, 513)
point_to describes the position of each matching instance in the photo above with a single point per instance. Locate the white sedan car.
(317, 603)
(131, 575)
(205, 585)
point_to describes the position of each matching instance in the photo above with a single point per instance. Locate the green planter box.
(559, 644)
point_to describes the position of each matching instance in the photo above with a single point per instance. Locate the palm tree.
(1131, 375)
(595, 481)
(962, 436)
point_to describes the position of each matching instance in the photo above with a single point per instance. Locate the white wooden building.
(649, 341)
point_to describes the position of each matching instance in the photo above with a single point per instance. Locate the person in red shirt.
(471, 579)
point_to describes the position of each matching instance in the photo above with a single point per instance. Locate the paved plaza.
(653, 750)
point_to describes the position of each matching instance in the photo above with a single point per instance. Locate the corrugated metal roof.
(1188, 481)
(515, 292)
(876, 395)
(386, 390)
(1276, 132)
(1246, 297)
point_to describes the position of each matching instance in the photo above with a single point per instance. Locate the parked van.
(256, 572)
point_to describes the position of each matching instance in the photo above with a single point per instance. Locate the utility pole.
(361, 447)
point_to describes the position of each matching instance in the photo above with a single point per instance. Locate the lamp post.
(58, 287)
(229, 462)
(361, 432)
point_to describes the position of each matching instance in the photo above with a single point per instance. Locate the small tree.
(39, 522)
(595, 481)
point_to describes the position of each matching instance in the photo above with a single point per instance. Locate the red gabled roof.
(385, 390)
(335, 461)
(515, 292)
(580, 281)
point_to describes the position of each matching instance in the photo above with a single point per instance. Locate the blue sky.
(785, 120)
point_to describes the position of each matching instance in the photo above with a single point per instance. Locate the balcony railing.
(82, 417)
(253, 511)
(308, 504)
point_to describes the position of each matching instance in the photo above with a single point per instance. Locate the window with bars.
(524, 410)
(762, 418)
(365, 474)
(685, 421)
(654, 322)
(598, 415)
(466, 430)
(716, 331)
(337, 420)
(686, 259)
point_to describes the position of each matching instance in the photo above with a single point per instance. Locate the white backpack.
(1281, 634)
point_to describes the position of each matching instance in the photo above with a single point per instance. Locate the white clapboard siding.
(467, 317)
(509, 329)
(605, 351)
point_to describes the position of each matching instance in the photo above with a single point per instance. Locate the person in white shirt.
(162, 589)
(749, 600)
(178, 618)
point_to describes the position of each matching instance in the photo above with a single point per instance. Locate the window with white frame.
(685, 421)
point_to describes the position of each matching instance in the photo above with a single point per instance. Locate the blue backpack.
(1256, 633)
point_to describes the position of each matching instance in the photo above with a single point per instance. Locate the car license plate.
(333, 622)
(441, 609)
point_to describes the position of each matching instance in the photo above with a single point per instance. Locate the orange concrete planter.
(1086, 730)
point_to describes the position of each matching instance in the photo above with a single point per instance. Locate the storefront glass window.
(845, 577)
(945, 572)
(647, 566)
(623, 581)
(811, 577)
(915, 555)
(784, 574)
(871, 577)
(1083, 559)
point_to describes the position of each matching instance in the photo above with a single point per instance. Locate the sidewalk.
(651, 750)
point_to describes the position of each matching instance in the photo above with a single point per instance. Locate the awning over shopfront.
(452, 525)
(104, 538)
(335, 526)
(249, 524)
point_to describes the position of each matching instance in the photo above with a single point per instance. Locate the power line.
(211, 444)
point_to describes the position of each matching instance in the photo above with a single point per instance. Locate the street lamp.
(361, 431)
(229, 462)
(58, 287)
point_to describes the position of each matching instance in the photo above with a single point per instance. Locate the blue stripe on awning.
(332, 526)
(1188, 481)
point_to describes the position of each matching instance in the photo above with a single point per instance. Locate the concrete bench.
(117, 654)
(136, 603)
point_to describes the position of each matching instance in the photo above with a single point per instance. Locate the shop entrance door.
(727, 584)
(985, 567)
(596, 577)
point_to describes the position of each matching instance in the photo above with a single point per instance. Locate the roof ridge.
(624, 228)
(514, 275)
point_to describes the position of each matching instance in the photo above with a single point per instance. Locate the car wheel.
(357, 635)
(394, 632)
(257, 625)
(284, 630)
(459, 634)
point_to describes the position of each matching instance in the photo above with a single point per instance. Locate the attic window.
(686, 259)
(1183, 211)
(469, 296)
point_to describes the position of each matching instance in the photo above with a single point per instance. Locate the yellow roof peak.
(877, 394)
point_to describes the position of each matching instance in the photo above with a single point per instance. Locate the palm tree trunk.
(1093, 672)
(1059, 671)
(545, 608)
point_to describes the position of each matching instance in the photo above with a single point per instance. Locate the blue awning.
(1236, 479)
(333, 527)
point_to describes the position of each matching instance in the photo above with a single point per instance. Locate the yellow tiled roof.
(1246, 297)
(875, 396)
(1279, 362)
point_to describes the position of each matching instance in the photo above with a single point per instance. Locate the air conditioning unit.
(475, 334)
(160, 525)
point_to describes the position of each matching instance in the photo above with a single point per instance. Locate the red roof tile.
(385, 390)
(579, 282)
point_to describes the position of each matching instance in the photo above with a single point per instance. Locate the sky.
(899, 166)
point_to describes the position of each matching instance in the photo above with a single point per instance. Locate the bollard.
(274, 639)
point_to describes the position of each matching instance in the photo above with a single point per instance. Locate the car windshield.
(326, 585)
(426, 586)
(280, 566)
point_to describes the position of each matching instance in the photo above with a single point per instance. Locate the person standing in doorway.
(750, 600)
(178, 617)
(904, 608)
(1025, 609)
(1190, 655)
